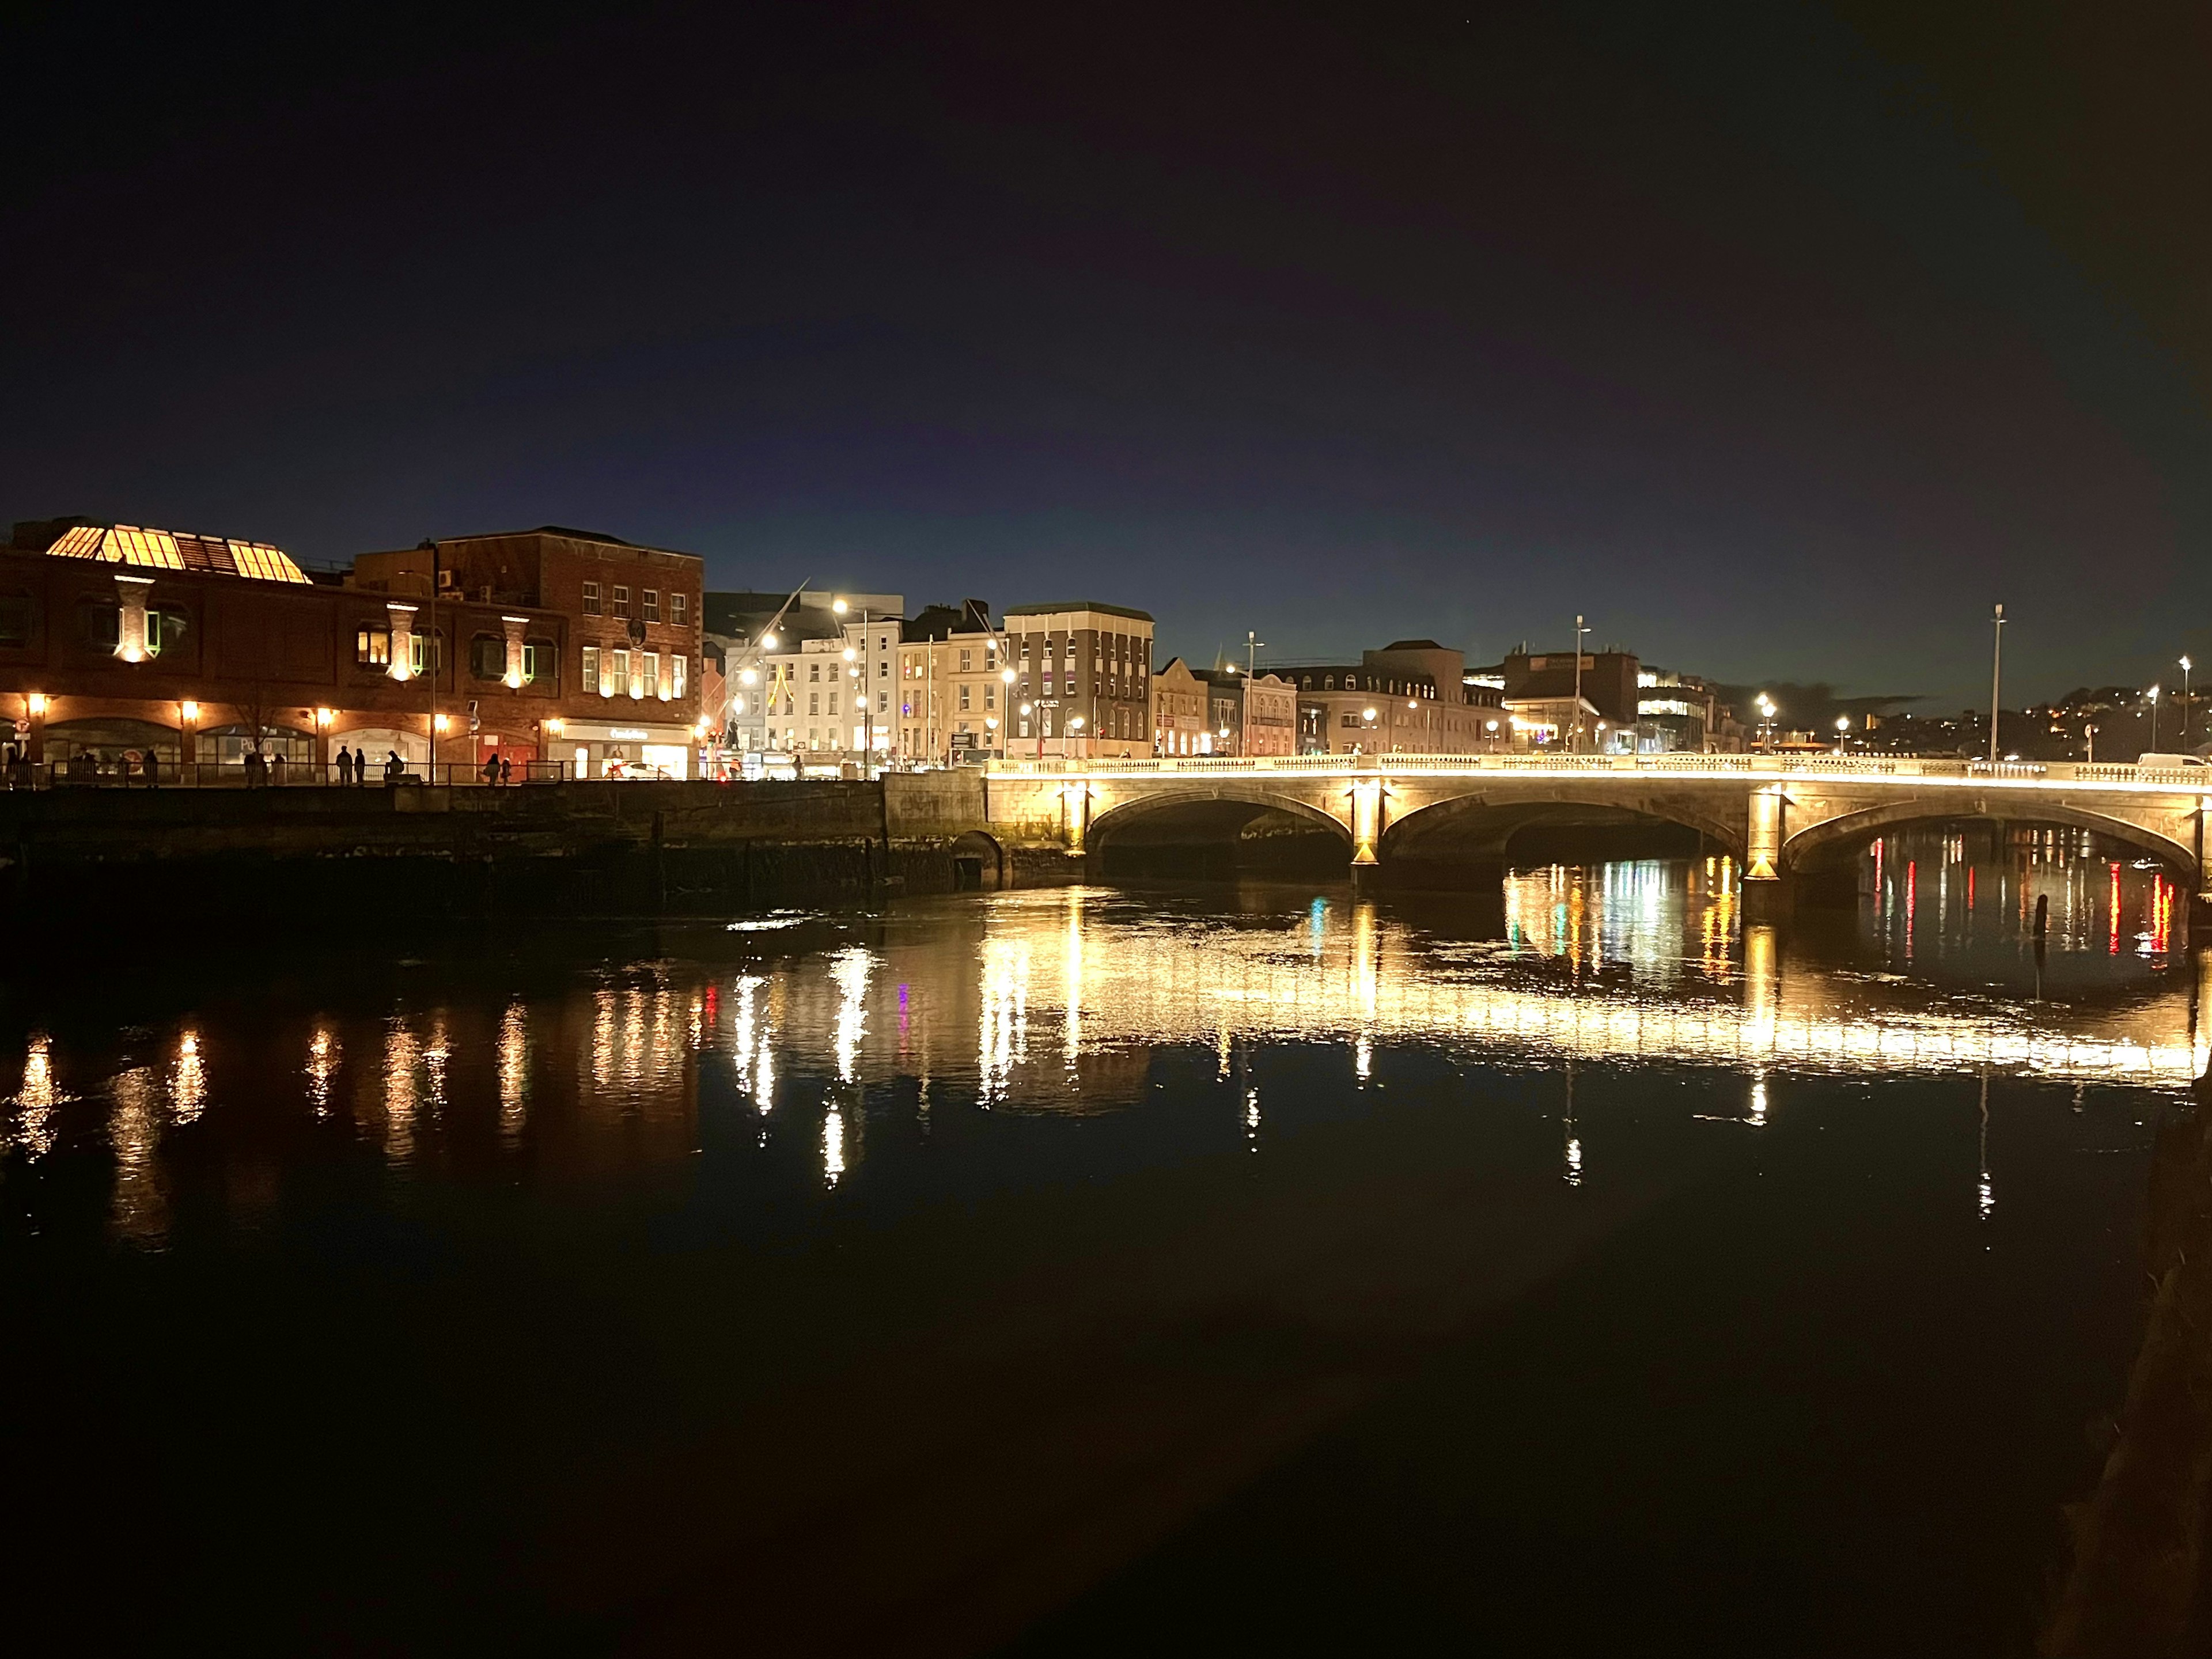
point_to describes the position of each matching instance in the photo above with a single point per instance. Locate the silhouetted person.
(153, 768)
(360, 768)
(277, 768)
(345, 766)
(506, 769)
(392, 769)
(491, 768)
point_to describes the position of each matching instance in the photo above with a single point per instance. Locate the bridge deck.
(2071, 775)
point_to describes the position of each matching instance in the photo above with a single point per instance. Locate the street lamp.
(2185, 704)
(1575, 739)
(1996, 666)
(1767, 710)
(1368, 715)
(2153, 718)
(1843, 730)
(1075, 727)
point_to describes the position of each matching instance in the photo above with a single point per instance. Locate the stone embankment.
(376, 855)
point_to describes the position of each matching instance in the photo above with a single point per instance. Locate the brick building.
(548, 643)
(1082, 680)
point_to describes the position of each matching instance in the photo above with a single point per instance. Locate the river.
(1049, 1269)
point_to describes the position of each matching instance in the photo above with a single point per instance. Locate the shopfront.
(626, 751)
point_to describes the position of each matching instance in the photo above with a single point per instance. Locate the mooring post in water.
(2042, 915)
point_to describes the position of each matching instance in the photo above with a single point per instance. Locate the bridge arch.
(1190, 804)
(1480, 825)
(1807, 847)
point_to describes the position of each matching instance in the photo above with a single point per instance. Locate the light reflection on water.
(1624, 964)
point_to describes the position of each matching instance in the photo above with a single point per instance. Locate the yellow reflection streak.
(850, 968)
(35, 1104)
(513, 1071)
(324, 1052)
(188, 1080)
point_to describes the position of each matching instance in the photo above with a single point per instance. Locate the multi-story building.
(1540, 690)
(1413, 696)
(116, 638)
(823, 677)
(1243, 714)
(1180, 711)
(1676, 712)
(627, 682)
(1082, 678)
(952, 686)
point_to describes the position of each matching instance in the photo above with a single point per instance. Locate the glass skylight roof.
(177, 549)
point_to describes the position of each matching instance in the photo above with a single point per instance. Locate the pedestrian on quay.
(360, 768)
(152, 767)
(392, 769)
(345, 766)
(506, 769)
(491, 768)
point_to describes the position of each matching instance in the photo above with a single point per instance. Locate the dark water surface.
(1093, 1270)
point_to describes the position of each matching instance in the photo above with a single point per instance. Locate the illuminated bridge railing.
(2067, 775)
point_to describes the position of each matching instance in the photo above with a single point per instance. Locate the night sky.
(1781, 342)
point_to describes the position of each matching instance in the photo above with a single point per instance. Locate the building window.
(884, 669)
(814, 705)
(649, 673)
(967, 660)
(372, 647)
(833, 702)
(883, 702)
(415, 648)
(539, 658)
(676, 667)
(621, 600)
(590, 599)
(679, 609)
(591, 668)
(618, 678)
(15, 620)
(487, 657)
(652, 598)
(102, 623)
(814, 671)
(964, 697)
(990, 694)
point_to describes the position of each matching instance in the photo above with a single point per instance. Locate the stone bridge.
(1445, 820)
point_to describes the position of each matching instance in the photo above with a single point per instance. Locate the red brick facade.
(308, 663)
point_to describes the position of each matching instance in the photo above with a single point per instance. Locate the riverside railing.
(1872, 768)
(292, 775)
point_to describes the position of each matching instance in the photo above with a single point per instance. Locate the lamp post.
(2153, 718)
(1368, 715)
(1252, 644)
(1843, 730)
(1997, 669)
(1575, 740)
(1075, 729)
(2186, 704)
(1767, 709)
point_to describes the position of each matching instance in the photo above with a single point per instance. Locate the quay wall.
(376, 855)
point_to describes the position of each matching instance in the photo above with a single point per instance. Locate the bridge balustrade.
(1778, 767)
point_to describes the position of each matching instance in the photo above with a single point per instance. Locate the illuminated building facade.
(121, 640)
(1411, 696)
(1083, 673)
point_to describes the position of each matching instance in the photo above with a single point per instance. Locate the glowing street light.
(2185, 704)
(2154, 717)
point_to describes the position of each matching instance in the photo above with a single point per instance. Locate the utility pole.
(1997, 669)
(1574, 742)
(1252, 644)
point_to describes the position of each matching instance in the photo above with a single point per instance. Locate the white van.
(2169, 763)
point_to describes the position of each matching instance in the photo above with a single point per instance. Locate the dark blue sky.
(1780, 341)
